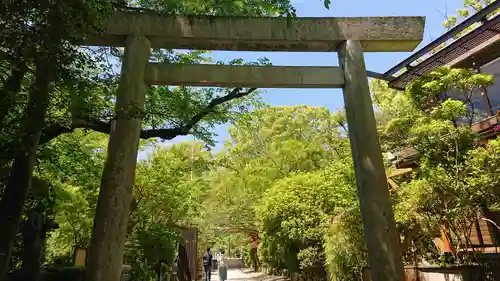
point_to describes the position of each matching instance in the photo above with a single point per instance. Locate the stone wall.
(452, 273)
(62, 274)
(235, 263)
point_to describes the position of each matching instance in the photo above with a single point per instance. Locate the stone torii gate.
(138, 32)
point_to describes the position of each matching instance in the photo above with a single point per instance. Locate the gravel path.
(246, 275)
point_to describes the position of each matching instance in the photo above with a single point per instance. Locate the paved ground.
(246, 275)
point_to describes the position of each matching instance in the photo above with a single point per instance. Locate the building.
(474, 43)
(478, 49)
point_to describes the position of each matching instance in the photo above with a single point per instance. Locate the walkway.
(246, 275)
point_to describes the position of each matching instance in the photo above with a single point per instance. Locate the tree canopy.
(50, 86)
(285, 174)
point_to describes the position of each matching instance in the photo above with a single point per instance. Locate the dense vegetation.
(285, 172)
(51, 87)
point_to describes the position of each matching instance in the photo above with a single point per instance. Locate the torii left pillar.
(113, 205)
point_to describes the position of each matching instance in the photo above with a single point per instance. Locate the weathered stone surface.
(244, 76)
(379, 226)
(105, 255)
(376, 34)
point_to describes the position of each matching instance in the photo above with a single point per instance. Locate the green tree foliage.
(52, 62)
(170, 187)
(73, 163)
(470, 7)
(42, 199)
(74, 86)
(449, 188)
(483, 174)
(286, 172)
(265, 146)
(294, 213)
(273, 160)
(212, 7)
(461, 84)
(344, 246)
(395, 114)
(311, 222)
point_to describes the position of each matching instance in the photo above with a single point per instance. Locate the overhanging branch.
(55, 130)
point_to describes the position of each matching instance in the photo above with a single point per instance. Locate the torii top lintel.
(376, 34)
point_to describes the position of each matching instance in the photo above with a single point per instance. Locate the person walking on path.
(222, 266)
(207, 264)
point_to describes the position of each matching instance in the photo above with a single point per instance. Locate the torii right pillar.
(381, 237)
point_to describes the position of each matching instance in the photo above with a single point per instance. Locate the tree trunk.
(32, 242)
(113, 206)
(8, 94)
(19, 181)
(13, 84)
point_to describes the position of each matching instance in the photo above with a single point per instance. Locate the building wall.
(479, 103)
(455, 273)
(493, 68)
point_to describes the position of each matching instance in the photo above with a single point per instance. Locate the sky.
(433, 10)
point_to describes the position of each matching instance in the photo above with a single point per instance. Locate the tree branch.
(55, 130)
